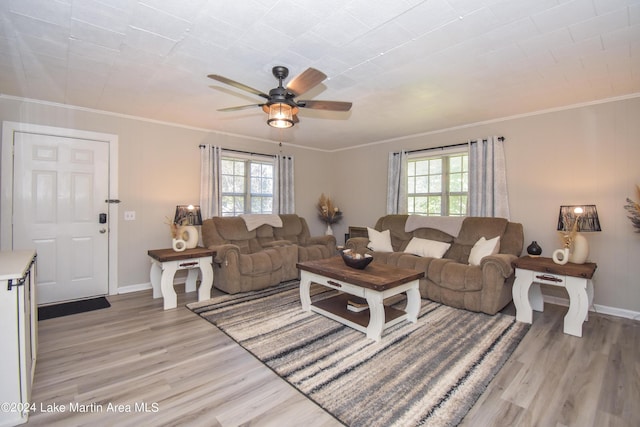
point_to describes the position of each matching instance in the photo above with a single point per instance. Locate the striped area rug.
(429, 373)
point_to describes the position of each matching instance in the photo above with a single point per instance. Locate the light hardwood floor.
(188, 373)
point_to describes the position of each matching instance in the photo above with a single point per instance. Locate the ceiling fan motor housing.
(280, 95)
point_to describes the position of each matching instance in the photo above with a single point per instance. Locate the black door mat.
(73, 307)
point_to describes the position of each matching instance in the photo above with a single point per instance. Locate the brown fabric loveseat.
(255, 259)
(451, 280)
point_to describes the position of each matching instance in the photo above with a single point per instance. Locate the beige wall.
(581, 155)
(159, 167)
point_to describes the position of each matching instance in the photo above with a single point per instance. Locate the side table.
(531, 272)
(165, 263)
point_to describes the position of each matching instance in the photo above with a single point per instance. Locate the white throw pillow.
(427, 248)
(379, 241)
(483, 248)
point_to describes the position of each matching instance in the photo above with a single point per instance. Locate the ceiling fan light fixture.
(280, 116)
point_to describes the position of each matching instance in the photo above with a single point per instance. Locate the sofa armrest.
(321, 240)
(500, 262)
(223, 252)
(358, 244)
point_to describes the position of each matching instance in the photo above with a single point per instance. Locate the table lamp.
(187, 217)
(573, 221)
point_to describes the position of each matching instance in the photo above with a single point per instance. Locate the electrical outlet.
(130, 215)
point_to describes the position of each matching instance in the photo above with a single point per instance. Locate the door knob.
(102, 231)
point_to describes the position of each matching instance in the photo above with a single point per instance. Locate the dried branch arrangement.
(634, 210)
(327, 211)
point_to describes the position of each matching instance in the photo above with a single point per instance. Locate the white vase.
(329, 231)
(189, 234)
(178, 245)
(580, 251)
(561, 256)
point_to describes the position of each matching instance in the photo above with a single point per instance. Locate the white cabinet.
(18, 334)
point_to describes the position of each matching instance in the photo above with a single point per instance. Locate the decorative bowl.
(360, 263)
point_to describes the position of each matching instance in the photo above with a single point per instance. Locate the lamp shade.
(583, 217)
(188, 215)
(280, 116)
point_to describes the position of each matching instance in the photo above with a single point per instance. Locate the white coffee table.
(375, 283)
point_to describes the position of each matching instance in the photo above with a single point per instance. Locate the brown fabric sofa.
(251, 260)
(450, 279)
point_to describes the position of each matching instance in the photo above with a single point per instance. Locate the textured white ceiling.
(408, 66)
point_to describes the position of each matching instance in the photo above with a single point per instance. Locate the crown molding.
(497, 120)
(355, 147)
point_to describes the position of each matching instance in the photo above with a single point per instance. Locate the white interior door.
(60, 188)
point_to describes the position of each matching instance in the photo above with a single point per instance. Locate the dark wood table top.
(164, 255)
(375, 276)
(546, 265)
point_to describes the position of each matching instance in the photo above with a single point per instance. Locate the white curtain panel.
(283, 198)
(397, 183)
(209, 181)
(488, 194)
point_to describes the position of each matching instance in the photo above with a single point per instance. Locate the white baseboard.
(181, 280)
(596, 308)
(134, 288)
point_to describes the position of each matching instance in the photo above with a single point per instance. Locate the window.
(247, 186)
(438, 185)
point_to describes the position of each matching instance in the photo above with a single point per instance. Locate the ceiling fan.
(281, 104)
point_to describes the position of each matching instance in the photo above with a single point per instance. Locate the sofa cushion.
(483, 248)
(292, 229)
(434, 271)
(379, 241)
(234, 230)
(461, 277)
(263, 262)
(403, 260)
(427, 248)
(313, 252)
(473, 228)
(395, 224)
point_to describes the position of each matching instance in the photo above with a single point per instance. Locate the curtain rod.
(242, 152)
(500, 138)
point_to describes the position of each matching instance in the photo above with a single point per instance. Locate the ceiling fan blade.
(238, 85)
(305, 81)
(326, 105)
(241, 107)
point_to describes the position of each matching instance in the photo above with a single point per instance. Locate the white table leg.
(192, 280)
(305, 285)
(520, 292)
(578, 305)
(204, 293)
(155, 274)
(589, 297)
(166, 285)
(376, 315)
(413, 304)
(535, 297)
